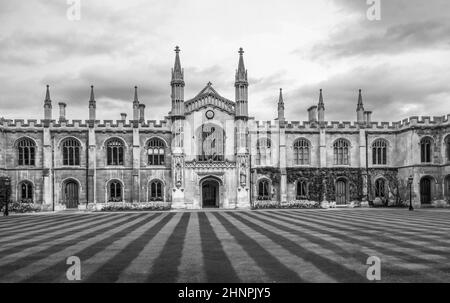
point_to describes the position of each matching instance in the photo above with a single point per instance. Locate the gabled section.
(208, 96)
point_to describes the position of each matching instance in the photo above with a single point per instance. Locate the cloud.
(400, 62)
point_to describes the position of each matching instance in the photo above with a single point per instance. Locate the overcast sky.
(401, 62)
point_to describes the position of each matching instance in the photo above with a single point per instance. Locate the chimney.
(368, 117)
(123, 116)
(312, 113)
(62, 111)
(141, 112)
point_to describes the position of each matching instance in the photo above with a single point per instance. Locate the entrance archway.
(70, 191)
(425, 190)
(210, 189)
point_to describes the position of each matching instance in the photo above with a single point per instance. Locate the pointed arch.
(341, 150)
(114, 191)
(263, 151)
(26, 151)
(426, 149)
(302, 151)
(25, 190)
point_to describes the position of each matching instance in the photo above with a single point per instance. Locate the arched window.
(379, 152)
(263, 151)
(447, 148)
(114, 152)
(156, 191)
(263, 190)
(211, 142)
(302, 190)
(26, 192)
(26, 149)
(380, 188)
(301, 152)
(341, 152)
(155, 150)
(115, 191)
(425, 150)
(71, 152)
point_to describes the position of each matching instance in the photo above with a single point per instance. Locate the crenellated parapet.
(77, 124)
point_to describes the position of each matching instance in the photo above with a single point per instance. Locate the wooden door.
(425, 191)
(209, 194)
(341, 192)
(71, 194)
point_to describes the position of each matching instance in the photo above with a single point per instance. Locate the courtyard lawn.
(228, 246)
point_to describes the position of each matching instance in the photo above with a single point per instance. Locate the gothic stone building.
(208, 152)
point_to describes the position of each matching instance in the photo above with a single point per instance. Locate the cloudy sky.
(401, 62)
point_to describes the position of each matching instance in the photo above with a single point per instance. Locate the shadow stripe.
(383, 249)
(409, 217)
(110, 271)
(405, 221)
(276, 270)
(28, 259)
(327, 266)
(362, 230)
(50, 238)
(165, 267)
(327, 244)
(54, 272)
(46, 229)
(395, 227)
(36, 224)
(218, 267)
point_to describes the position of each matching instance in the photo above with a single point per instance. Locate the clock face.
(209, 114)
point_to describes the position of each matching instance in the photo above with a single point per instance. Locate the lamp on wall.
(410, 182)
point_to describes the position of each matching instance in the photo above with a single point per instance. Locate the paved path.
(228, 246)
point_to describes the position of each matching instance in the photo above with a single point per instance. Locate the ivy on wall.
(320, 180)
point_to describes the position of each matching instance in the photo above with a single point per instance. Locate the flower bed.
(291, 204)
(128, 206)
(18, 207)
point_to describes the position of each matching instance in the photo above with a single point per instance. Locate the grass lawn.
(312, 245)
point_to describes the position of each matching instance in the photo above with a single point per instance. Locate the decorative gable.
(208, 96)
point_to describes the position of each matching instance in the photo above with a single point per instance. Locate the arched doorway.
(341, 191)
(425, 190)
(70, 191)
(210, 193)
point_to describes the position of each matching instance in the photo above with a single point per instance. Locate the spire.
(241, 73)
(47, 94)
(92, 99)
(280, 100)
(360, 102)
(281, 108)
(135, 95)
(177, 71)
(321, 105)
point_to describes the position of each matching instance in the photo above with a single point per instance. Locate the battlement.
(33, 123)
(414, 121)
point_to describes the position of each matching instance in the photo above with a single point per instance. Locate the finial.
(177, 49)
(47, 93)
(241, 51)
(209, 83)
(135, 94)
(92, 93)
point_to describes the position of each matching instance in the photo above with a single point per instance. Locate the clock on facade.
(209, 114)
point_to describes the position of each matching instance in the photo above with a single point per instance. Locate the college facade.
(208, 152)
